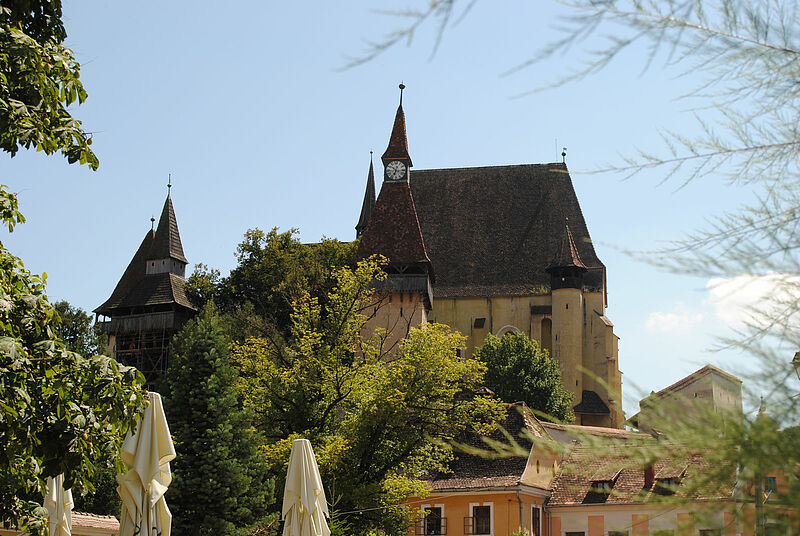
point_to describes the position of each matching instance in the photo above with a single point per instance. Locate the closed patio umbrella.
(304, 505)
(58, 502)
(146, 453)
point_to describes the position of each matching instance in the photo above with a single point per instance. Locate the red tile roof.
(398, 143)
(393, 230)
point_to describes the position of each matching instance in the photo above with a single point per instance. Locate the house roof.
(693, 377)
(81, 520)
(394, 230)
(167, 240)
(495, 230)
(621, 459)
(471, 471)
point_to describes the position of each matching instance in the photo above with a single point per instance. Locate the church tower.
(393, 230)
(566, 284)
(149, 303)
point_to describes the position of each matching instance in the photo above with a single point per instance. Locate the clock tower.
(396, 161)
(405, 297)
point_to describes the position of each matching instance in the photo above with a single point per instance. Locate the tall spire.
(167, 240)
(398, 143)
(369, 200)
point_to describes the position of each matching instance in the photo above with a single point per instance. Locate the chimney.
(649, 476)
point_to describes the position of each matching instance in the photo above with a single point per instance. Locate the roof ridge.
(495, 166)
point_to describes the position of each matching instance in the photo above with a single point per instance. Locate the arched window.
(508, 328)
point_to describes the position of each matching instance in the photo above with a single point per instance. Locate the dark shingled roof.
(622, 458)
(136, 288)
(394, 229)
(567, 255)
(398, 143)
(495, 230)
(471, 471)
(591, 404)
(369, 201)
(167, 242)
(130, 277)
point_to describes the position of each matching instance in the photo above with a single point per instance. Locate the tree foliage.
(39, 80)
(519, 371)
(59, 411)
(77, 330)
(217, 447)
(273, 270)
(378, 422)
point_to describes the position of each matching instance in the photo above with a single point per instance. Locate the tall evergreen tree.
(220, 482)
(519, 371)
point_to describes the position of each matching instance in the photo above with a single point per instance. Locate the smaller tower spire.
(567, 268)
(369, 200)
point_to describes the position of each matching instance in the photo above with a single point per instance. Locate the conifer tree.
(220, 482)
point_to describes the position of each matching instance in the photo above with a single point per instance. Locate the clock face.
(396, 170)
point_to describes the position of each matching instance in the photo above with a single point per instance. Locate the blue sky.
(246, 106)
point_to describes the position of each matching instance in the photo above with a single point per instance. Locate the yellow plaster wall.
(457, 505)
(579, 337)
(393, 316)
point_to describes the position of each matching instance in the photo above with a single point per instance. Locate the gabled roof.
(495, 230)
(157, 289)
(167, 241)
(567, 255)
(393, 230)
(369, 201)
(693, 377)
(470, 471)
(623, 458)
(130, 277)
(398, 142)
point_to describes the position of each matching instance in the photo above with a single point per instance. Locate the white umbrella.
(59, 507)
(146, 453)
(304, 505)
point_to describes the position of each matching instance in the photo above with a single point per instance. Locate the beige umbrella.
(146, 453)
(304, 505)
(59, 507)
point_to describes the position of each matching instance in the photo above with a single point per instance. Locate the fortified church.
(495, 250)
(484, 250)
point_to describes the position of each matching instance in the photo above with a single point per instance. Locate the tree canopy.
(39, 80)
(378, 422)
(60, 412)
(519, 371)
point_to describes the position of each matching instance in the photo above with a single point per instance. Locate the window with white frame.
(480, 520)
(536, 520)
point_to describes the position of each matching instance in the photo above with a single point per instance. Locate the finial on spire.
(564, 155)
(402, 86)
(152, 223)
(169, 184)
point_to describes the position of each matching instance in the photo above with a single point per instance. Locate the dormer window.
(602, 483)
(666, 486)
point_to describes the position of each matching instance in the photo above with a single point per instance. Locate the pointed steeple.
(398, 143)
(369, 200)
(567, 255)
(167, 241)
(567, 268)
